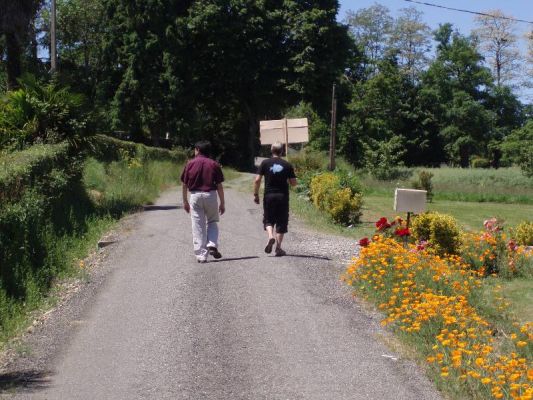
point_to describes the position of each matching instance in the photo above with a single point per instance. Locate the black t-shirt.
(276, 172)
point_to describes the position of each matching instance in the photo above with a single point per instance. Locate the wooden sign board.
(284, 131)
(410, 200)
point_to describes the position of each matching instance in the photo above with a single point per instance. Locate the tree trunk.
(13, 63)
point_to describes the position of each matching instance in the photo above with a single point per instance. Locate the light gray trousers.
(204, 217)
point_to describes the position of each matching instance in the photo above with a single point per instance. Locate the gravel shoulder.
(148, 322)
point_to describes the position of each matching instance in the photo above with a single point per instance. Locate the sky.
(464, 22)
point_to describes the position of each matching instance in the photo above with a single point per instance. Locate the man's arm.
(222, 205)
(186, 205)
(257, 186)
(293, 181)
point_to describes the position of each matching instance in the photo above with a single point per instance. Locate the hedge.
(106, 148)
(42, 204)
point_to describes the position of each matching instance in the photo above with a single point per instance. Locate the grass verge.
(107, 191)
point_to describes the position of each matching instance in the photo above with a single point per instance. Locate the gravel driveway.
(151, 323)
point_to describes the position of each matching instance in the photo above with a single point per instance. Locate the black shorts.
(276, 211)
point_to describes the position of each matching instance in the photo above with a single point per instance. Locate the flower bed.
(433, 302)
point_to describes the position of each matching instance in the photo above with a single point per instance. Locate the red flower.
(402, 232)
(512, 245)
(382, 224)
(364, 242)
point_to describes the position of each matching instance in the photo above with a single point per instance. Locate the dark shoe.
(268, 248)
(214, 252)
(280, 252)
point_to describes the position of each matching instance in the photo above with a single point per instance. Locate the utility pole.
(53, 45)
(332, 143)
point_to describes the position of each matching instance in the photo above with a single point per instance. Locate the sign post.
(410, 201)
(284, 130)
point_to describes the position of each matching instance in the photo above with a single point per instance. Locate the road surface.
(250, 326)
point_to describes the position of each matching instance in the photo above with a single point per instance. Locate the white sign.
(284, 131)
(410, 200)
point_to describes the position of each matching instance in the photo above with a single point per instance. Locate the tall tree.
(499, 44)
(371, 28)
(411, 38)
(455, 88)
(15, 25)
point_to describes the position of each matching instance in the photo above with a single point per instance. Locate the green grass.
(504, 185)
(109, 190)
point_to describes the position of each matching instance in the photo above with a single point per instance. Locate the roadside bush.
(424, 183)
(341, 203)
(523, 234)
(106, 148)
(322, 187)
(441, 230)
(346, 207)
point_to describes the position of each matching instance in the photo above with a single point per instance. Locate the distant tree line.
(189, 69)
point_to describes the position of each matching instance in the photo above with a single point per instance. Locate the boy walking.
(203, 178)
(278, 174)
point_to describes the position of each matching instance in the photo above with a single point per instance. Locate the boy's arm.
(257, 186)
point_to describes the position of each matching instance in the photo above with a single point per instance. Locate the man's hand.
(221, 208)
(256, 198)
(187, 207)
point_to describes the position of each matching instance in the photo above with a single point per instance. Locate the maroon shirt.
(202, 174)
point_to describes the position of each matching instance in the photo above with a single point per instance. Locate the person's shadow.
(234, 259)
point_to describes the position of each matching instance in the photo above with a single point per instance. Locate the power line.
(468, 11)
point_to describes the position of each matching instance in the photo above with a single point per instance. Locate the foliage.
(423, 182)
(40, 113)
(383, 158)
(346, 207)
(106, 148)
(441, 230)
(479, 162)
(49, 216)
(518, 148)
(327, 194)
(433, 303)
(523, 233)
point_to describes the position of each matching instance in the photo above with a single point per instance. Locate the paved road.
(251, 326)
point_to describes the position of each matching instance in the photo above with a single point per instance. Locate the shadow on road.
(233, 259)
(160, 208)
(33, 380)
(308, 256)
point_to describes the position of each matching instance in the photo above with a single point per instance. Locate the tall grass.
(106, 191)
(504, 185)
(120, 185)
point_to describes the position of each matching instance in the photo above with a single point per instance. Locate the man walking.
(278, 175)
(203, 178)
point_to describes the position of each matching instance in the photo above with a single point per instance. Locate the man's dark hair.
(204, 147)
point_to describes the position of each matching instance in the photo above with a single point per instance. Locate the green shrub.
(106, 148)
(349, 179)
(383, 159)
(328, 195)
(424, 183)
(41, 112)
(322, 187)
(479, 162)
(523, 234)
(308, 161)
(441, 230)
(346, 207)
